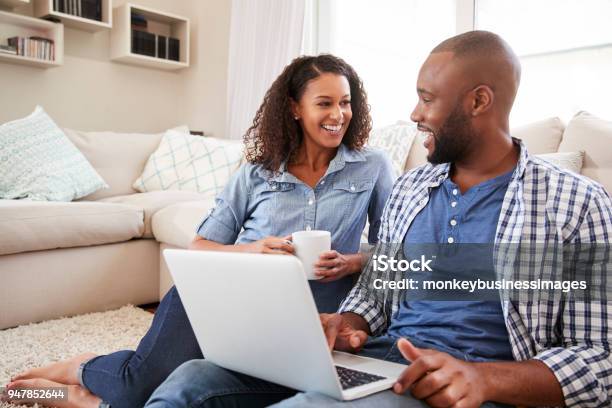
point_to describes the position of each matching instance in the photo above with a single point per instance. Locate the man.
(481, 186)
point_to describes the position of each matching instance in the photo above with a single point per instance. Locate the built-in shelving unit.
(16, 25)
(160, 24)
(13, 3)
(45, 8)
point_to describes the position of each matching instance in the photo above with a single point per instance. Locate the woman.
(307, 169)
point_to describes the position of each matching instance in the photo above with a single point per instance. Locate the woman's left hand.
(332, 265)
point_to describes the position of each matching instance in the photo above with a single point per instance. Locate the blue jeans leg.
(127, 378)
(384, 399)
(199, 383)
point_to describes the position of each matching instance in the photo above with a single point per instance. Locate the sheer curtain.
(265, 35)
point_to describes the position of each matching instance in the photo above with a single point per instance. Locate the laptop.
(255, 314)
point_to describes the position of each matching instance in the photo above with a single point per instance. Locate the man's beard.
(453, 140)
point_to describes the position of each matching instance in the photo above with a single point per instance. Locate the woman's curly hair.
(275, 136)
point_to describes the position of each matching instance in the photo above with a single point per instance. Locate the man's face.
(440, 112)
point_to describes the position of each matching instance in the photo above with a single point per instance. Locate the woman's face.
(324, 110)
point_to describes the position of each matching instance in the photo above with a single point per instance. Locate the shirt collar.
(343, 155)
(440, 172)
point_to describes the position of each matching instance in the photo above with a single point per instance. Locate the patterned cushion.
(395, 140)
(38, 162)
(192, 163)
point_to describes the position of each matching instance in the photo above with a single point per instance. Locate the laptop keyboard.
(350, 378)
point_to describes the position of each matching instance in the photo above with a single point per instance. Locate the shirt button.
(422, 202)
(308, 228)
(310, 202)
(455, 191)
(451, 240)
(453, 222)
(322, 182)
(273, 186)
(352, 188)
(454, 204)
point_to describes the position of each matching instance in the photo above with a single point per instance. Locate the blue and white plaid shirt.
(542, 204)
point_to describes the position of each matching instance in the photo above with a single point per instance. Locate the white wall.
(89, 92)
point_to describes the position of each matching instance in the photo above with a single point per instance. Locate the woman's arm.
(268, 245)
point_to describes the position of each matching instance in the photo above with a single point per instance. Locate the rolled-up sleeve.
(224, 221)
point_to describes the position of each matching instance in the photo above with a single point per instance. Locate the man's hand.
(440, 379)
(332, 265)
(341, 333)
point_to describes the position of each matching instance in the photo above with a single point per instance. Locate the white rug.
(39, 344)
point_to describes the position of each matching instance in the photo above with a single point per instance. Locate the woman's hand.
(270, 245)
(332, 265)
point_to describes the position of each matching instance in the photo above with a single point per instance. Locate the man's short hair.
(477, 43)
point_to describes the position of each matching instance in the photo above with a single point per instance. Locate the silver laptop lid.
(255, 314)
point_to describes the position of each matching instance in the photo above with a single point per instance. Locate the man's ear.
(295, 109)
(482, 99)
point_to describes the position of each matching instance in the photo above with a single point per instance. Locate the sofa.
(104, 250)
(101, 251)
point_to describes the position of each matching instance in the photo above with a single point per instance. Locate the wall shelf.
(13, 3)
(16, 25)
(159, 23)
(44, 8)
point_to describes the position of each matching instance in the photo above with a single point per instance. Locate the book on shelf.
(173, 49)
(33, 47)
(8, 49)
(143, 43)
(162, 47)
(90, 9)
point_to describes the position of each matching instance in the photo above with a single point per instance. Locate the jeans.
(127, 378)
(199, 384)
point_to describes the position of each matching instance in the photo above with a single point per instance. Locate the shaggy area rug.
(39, 344)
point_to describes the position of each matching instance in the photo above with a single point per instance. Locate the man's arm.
(443, 380)
(529, 383)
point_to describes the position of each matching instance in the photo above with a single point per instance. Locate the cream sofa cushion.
(543, 136)
(539, 137)
(418, 152)
(118, 157)
(571, 161)
(177, 224)
(593, 135)
(152, 202)
(35, 226)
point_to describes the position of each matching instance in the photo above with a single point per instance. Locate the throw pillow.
(592, 134)
(543, 136)
(395, 140)
(192, 163)
(566, 160)
(38, 162)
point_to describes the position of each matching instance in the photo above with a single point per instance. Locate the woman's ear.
(482, 101)
(295, 109)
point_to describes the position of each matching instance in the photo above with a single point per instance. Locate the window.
(565, 48)
(386, 42)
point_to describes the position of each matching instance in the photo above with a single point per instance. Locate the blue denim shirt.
(256, 203)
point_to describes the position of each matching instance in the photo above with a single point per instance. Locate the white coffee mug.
(308, 246)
